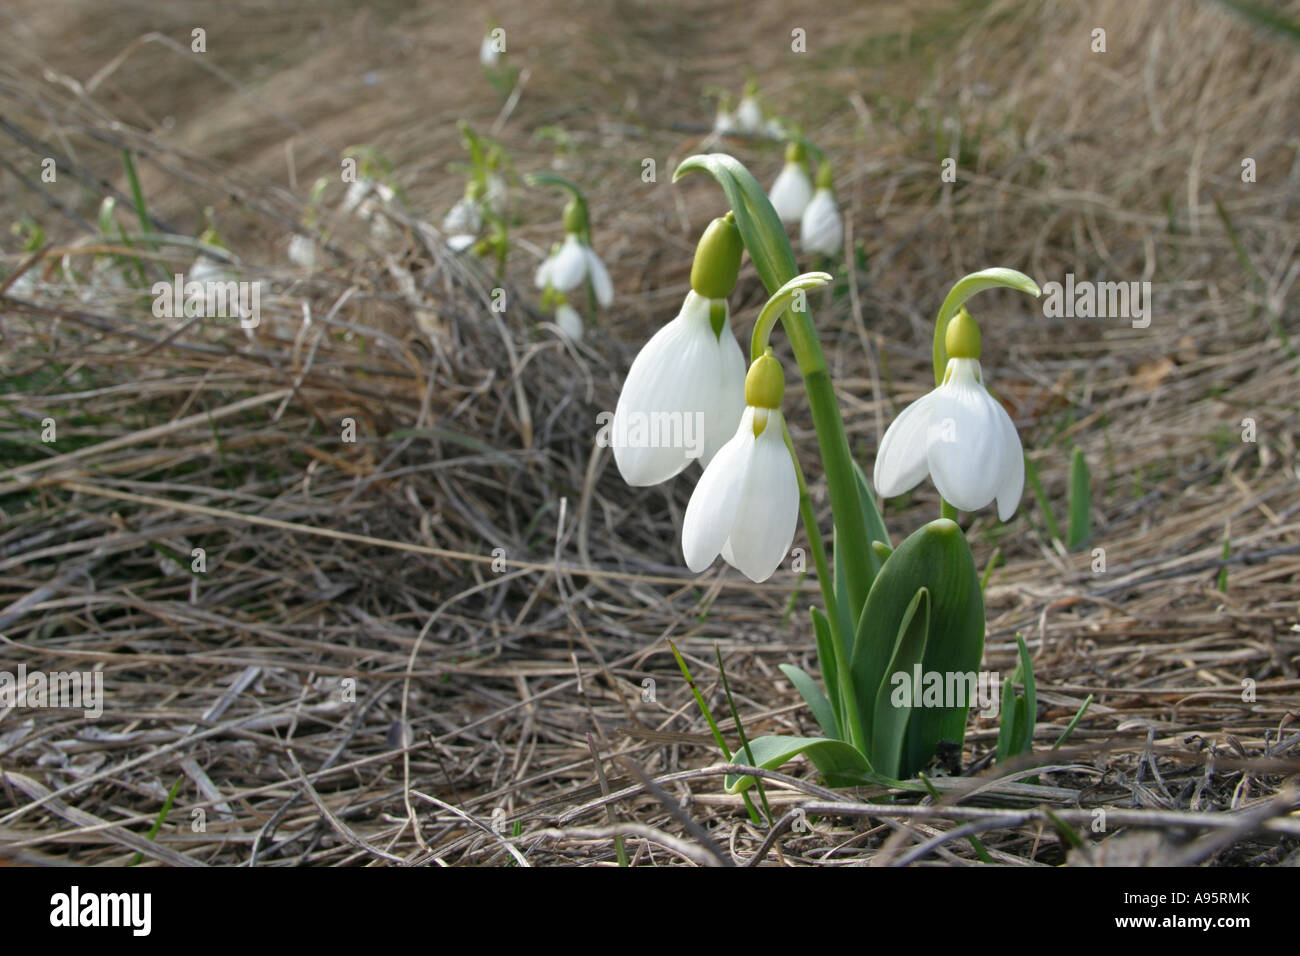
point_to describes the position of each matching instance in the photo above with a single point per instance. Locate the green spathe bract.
(935, 558)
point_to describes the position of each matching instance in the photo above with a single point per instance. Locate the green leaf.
(841, 764)
(826, 657)
(1026, 740)
(935, 557)
(1080, 502)
(760, 228)
(966, 287)
(876, 530)
(1078, 716)
(1031, 472)
(821, 708)
(1007, 732)
(890, 723)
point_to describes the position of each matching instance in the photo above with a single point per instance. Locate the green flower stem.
(837, 460)
(848, 697)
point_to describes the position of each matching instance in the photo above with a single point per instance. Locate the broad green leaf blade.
(826, 657)
(935, 557)
(841, 764)
(1080, 502)
(891, 718)
(966, 287)
(876, 530)
(759, 225)
(816, 700)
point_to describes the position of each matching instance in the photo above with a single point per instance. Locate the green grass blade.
(1080, 502)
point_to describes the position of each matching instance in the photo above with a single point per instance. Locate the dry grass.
(480, 693)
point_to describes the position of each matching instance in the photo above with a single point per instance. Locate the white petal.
(821, 229)
(728, 401)
(497, 194)
(570, 265)
(769, 506)
(901, 460)
(302, 252)
(670, 391)
(601, 284)
(791, 193)
(463, 217)
(716, 499)
(1012, 484)
(543, 275)
(569, 321)
(458, 243)
(749, 115)
(964, 442)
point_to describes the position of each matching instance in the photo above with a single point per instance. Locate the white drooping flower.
(489, 51)
(370, 209)
(572, 264)
(725, 122)
(958, 434)
(569, 321)
(302, 252)
(497, 193)
(821, 228)
(793, 190)
(464, 220)
(747, 502)
(358, 190)
(686, 381)
(749, 115)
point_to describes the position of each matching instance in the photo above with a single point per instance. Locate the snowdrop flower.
(302, 252)
(821, 228)
(370, 210)
(685, 391)
(747, 502)
(749, 115)
(575, 262)
(569, 321)
(958, 434)
(793, 190)
(725, 122)
(493, 45)
(357, 191)
(465, 219)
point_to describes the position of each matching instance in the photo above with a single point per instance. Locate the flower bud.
(717, 259)
(765, 383)
(962, 337)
